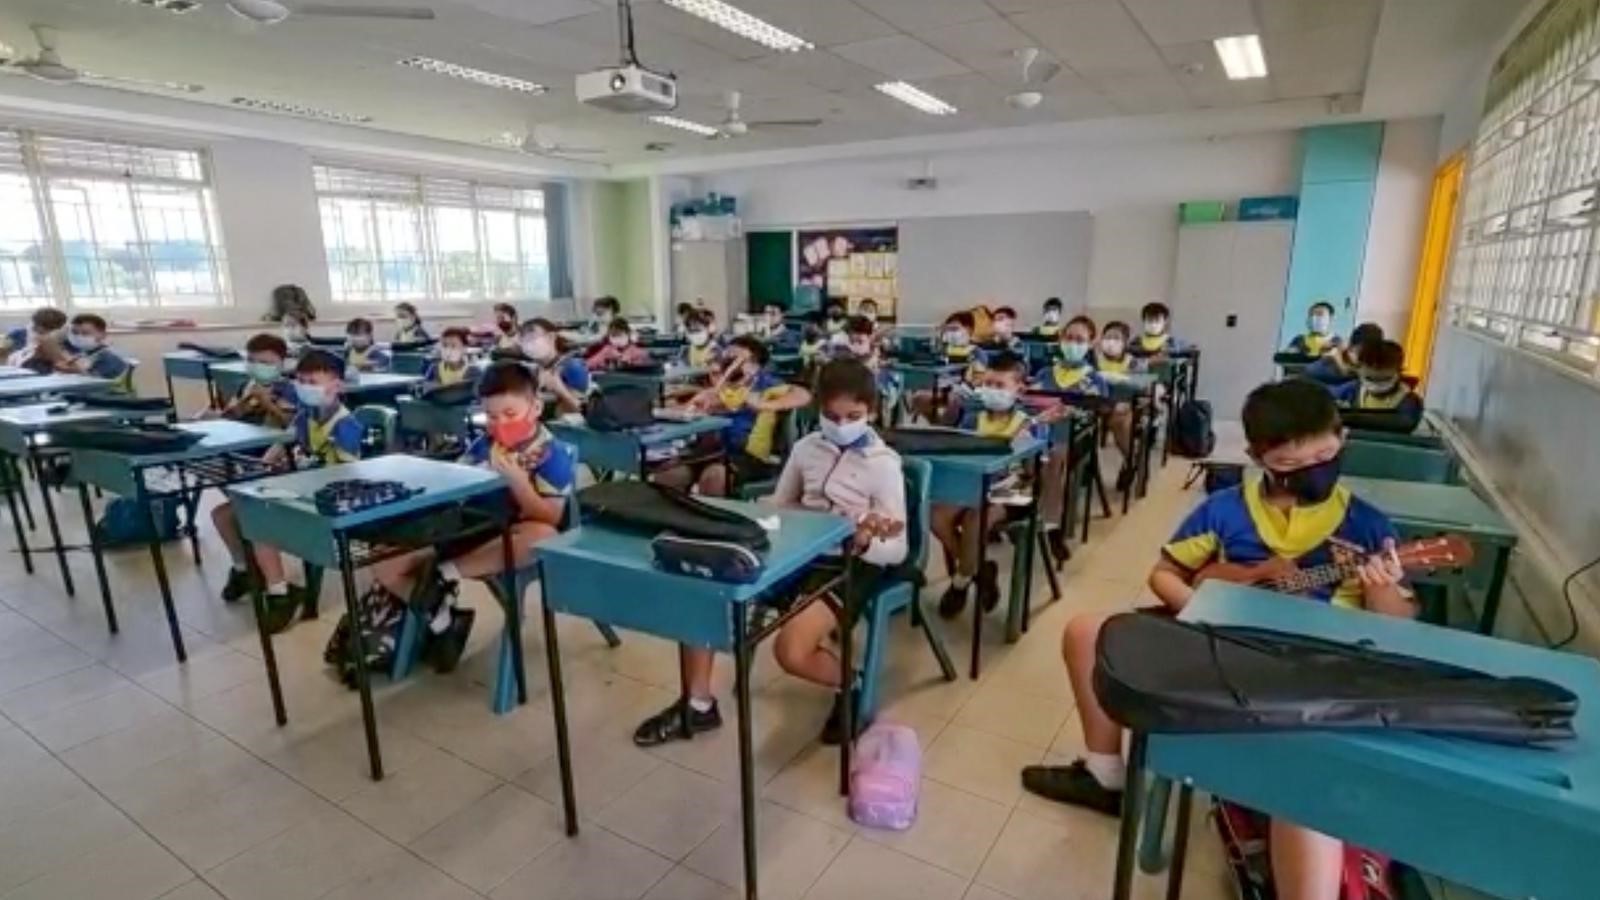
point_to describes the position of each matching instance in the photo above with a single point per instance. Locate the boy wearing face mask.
(90, 354)
(451, 367)
(1004, 333)
(540, 472)
(700, 345)
(408, 324)
(505, 326)
(842, 468)
(835, 318)
(361, 353)
(1294, 509)
(325, 433)
(296, 333)
(1113, 361)
(604, 311)
(564, 376)
(45, 329)
(1379, 388)
(1319, 337)
(1074, 369)
(618, 349)
(1154, 340)
(1051, 326)
(1344, 366)
(267, 399)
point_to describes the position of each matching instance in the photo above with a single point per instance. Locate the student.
(91, 355)
(777, 331)
(46, 329)
(751, 398)
(868, 307)
(267, 398)
(1295, 509)
(1003, 322)
(540, 472)
(844, 468)
(296, 333)
(836, 318)
(1074, 371)
(451, 367)
(325, 433)
(360, 353)
(813, 344)
(1379, 388)
(863, 346)
(1344, 365)
(700, 349)
(408, 325)
(1051, 326)
(1111, 356)
(1154, 340)
(1319, 337)
(997, 415)
(505, 326)
(563, 375)
(602, 313)
(618, 349)
(684, 313)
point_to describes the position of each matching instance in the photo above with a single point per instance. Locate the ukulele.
(1282, 574)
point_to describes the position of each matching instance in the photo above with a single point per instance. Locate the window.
(394, 237)
(91, 224)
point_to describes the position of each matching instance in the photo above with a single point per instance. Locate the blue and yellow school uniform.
(573, 373)
(1127, 364)
(441, 373)
(281, 394)
(1009, 424)
(410, 334)
(1332, 369)
(1313, 344)
(748, 430)
(701, 357)
(552, 465)
(973, 358)
(1401, 400)
(330, 441)
(372, 359)
(1077, 379)
(1152, 344)
(1239, 526)
(105, 363)
(1049, 329)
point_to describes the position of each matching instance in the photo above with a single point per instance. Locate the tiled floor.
(125, 776)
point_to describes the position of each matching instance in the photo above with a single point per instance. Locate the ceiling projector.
(628, 89)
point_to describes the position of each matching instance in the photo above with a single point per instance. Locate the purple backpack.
(885, 776)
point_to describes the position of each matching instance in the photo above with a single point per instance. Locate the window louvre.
(362, 183)
(126, 160)
(10, 151)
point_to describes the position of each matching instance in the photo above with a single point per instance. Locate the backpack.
(209, 351)
(619, 407)
(125, 438)
(653, 508)
(1366, 874)
(125, 523)
(952, 441)
(1192, 436)
(885, 776)
(1215, 476)
(380, 615)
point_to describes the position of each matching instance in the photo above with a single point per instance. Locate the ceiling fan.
(271, 12)
(536, 142)
(1035, 74)
(734, 126)
(46, 65)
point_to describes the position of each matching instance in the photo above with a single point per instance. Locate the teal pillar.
(1338, 176)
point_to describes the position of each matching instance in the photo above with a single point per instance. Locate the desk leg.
(1180, 843)
(513, 613)
(55, 524)
(99, 559)
(159, 560)
(747, 764)
(558, 708)
(369, 718)
(1497, 584)
(1128, 473)
(983, 557)
(268, 656)
(15, 469)
(172, 395)
(13, 482)
(848, 613)
(1128, 834)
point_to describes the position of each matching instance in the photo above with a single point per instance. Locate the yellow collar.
(1067, 376)
(1300, 529)
(1114, 366)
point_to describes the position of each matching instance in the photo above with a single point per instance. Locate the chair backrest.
(379, 426)
(919, 479)
(1397, 462)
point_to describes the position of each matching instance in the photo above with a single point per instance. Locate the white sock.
(278, 589)
(1108, 769)
(240, 567)
(960, 582)
(440, 623)
(701, 704)
(449, 572)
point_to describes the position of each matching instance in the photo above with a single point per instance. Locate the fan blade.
(1042, 73)
(178, 87)
(785, 123)
(412, 13)
(575, 151)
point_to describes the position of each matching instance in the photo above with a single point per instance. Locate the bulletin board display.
(852, 265)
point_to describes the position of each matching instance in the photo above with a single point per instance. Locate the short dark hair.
(405, 306)
(508, 378)
(756, 346)
(1282, 412)
(962, 318)
(1116, 325)
(703, 318)
(607, 302)
(48, 318)
(620, 326)
(267, 343)
(1006, 361)
(314, 361)
(1053, 303)
(684, 310)
(847, 378)
(457, 332)
(1085, 321)
(860, 325)
(1321, 304)
(541, 323)
(358, 325)
(505, 308)
(1154, 310)
(91, 320)
(1384, 356)
(1366, 333)
(1006, 311)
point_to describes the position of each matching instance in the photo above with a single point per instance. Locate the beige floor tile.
(203, 677)
(683, 884)
(151, 740)
(52, 695)
(670, 811)
(1017, 713)
(979, 763)
(595, 865)
(794, 851)
(980, 892)
(401, 876)
(866, 869)
(1037, 859)
(133, 868)
(810, 784)
(953, 830)
(321, 853)
(333, 762)
(40, 841)
(193, 890)
(602, 770)
(206, 832)
(487, 841)
(429, 790)
(41, 663)
(34, 785)
(122, 708)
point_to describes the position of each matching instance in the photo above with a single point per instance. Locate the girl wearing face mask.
(564, 376)
(1051, 326)
(408, 325)
(505, 326)
(605, 311)
(451, 367)
(617, 350)
(1319, 338)
(700, 347)
(296, 333)
(1074, 371)
(1111, 356)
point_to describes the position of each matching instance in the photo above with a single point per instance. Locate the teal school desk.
(15, 372)
(1508, 821)
(367, 387)
(34, 387)
(627, 451)
(188, 365)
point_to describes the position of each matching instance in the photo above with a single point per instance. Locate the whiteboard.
(957, 262)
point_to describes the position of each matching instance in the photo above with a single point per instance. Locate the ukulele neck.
(1305, 580)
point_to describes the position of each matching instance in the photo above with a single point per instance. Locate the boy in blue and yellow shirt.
(1051, 325)
(452, 366)
(361, 352)
(1319, 338)
(1343, 366)
(325, 433)
(1074, 371)
(91, 355)
(267, 398)
(1295, 509)
(1379, 388)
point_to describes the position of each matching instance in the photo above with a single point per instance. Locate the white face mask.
(956, 338)
(264, 372)
(540, 347)
(1111, 347)
(452, 355)
(839, 339)
(1321, 324)
(294, 334)
(620, 341)
(313, 396)
(844, 434)
(699, 338)
(360, 342)
(1052, 316)
(83, 343)
(996, 399)
(1155, 327)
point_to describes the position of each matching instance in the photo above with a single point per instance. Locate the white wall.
(1135, 251)
(271, 231)
(1399, 217)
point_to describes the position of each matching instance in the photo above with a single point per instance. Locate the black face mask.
(1311, 484)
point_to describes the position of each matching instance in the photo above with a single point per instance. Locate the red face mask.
(512, 433)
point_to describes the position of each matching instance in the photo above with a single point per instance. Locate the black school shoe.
(988, 582)
(667, 726)
(445, 650)
(953, 602)
(280, 609)
(1073, 785)
(1056, 540)
(239, 585)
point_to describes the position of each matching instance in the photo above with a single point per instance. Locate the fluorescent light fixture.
(172, 6)
(476, 76)
(1241, 56)
(916, 98)
(685, 125)
(295, 109)
(736, 20)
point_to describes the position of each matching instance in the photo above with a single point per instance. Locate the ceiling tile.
(749, 79)
(651, 19)
(901, 56)
(983, 45)
(1089, 36)
(910, 14)
(1008, 7)
(1306, 15)
(658, 48)
(1319, 62)
(822, 22)
(532, 12)
(1167, 22)
(822, 69)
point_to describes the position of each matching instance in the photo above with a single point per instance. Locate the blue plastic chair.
(903, 594)
(379, 429)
